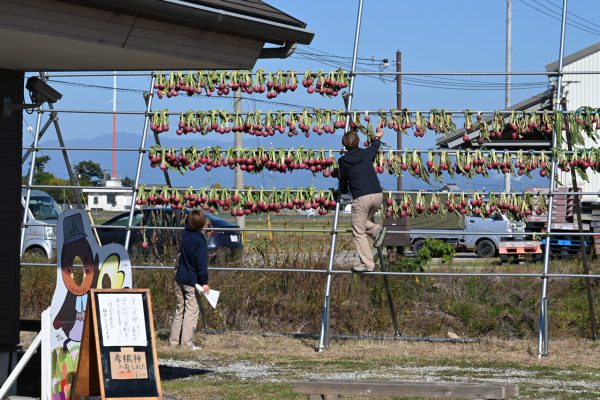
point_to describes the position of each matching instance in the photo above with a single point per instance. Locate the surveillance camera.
(42, 92)
(39, 91)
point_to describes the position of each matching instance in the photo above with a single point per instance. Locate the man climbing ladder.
(358, 175)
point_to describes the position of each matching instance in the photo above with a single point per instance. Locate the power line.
(555, 17)
(461, 88)
(570, 21)
(336, 56)
(264, 101)
(443, 82)
(489, 85)
(573, 14)
(87, 85)
(427, 82)
(472, 84)
(346, 65)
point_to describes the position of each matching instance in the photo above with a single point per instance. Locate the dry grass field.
(240, 366)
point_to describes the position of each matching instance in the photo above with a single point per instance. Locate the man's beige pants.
(186, 316)
(364, 230)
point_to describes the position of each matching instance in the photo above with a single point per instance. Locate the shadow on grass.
(168, 373)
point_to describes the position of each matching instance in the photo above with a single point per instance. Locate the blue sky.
(433, 35)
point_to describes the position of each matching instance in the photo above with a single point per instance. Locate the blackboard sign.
(118, 351)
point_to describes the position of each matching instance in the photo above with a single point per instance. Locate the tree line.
(88, 173)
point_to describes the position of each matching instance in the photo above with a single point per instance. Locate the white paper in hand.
(212, 296)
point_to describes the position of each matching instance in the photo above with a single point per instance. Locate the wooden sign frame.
(90, 380)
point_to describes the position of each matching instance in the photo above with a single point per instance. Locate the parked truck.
(40, 237)
(487, 237)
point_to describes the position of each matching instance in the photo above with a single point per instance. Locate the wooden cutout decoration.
(75, 239)
(117, 372)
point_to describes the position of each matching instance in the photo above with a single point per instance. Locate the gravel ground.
(537, 386)
(236, 359)
(235, 365)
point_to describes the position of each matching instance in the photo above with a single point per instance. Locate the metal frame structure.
(324, 332)
(543, 329)
(329, 272)
(423, 112)
(139, 164)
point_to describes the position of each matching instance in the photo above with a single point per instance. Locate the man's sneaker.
(362, 268)
(359, 268)
(380, 237)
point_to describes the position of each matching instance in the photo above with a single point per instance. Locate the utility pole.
(238, 142)
(399, 107)
(508, 52)
(507, 78)
(114, 151)
(402, 224)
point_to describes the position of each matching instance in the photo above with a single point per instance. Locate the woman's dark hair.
(350, 140)
(196, 220)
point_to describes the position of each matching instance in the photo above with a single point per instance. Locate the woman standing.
(192, 269)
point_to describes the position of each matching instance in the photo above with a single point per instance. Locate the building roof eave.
(193, 13)
(578, 55)
(538, 102)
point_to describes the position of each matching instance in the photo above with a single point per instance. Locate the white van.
(40, 238)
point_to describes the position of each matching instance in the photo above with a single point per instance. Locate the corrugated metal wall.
(584, 90)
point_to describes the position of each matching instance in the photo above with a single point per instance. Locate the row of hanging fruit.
(436, 164)
(515, 205)
(254, 201)
(222, 83)
(516, 125)
(253, 160)
(239, 202)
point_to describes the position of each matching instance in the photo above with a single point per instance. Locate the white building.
(118, 199)
(580, 91)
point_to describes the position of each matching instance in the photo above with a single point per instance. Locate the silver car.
(40, 234)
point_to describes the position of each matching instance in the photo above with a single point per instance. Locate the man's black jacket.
(356, 171)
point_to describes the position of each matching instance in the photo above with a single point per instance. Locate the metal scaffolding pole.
(423, 192)
(324, 333)
(53, 119)
(543, 329)
(157, 141)
(30, 181)
(147, 96)
(238, 144)
(349, 112)
(42, 131)
(348, 272)
(507, 78)
(72, 177)
(136, 183)
(416, 73)
(388, 292)
(449, 152)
